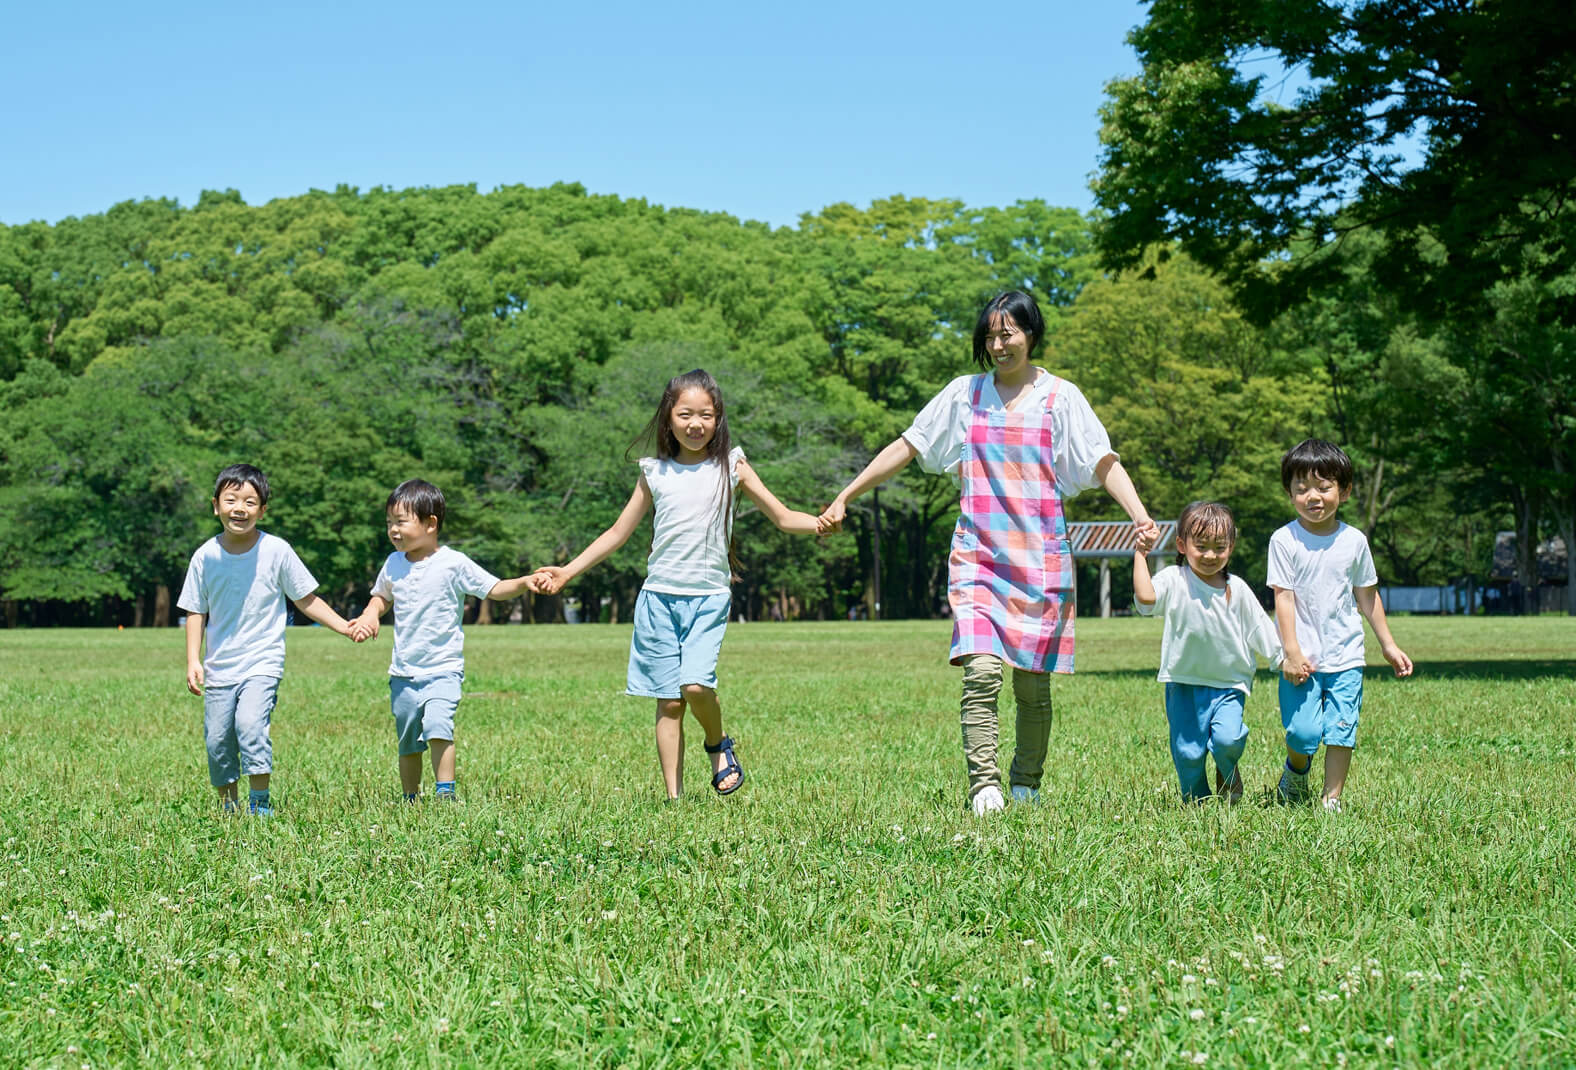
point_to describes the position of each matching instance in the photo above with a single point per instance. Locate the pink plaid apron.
(1010, 573)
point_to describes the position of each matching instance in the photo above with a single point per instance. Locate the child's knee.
(1228, 745)
(696, 693)
(671, 708)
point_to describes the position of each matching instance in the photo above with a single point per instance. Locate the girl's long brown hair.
(658, 433)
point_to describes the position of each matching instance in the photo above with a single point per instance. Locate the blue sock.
(412, 796)
(257, 800)
(445, 787)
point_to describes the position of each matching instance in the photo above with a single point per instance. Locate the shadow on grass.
(1475, 669)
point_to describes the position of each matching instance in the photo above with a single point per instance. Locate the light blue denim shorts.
(424, 708)
(1323, 708)
(235, 720)
(676, 642)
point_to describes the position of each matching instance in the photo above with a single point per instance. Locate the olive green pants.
(982, 681)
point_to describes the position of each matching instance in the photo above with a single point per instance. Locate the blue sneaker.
(1293, 786)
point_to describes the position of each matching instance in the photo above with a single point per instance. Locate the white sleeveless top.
(689, 542)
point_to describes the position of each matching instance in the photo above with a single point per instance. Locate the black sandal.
(725, 747)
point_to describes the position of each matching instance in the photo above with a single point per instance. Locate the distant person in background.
(1325, 585)
(425, 584)
(1214, 627)
(234, 597)
(1018, 441)
(682, 612)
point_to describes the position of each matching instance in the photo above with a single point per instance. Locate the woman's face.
(1007, 346)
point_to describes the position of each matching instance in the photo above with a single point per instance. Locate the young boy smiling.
(426, 584)
(1325, 585)
(234, 596)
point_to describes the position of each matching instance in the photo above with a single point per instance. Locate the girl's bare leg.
(670, 744)
(703, 704)
(1337, 763)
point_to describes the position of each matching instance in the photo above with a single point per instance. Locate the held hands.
(1296, 668)
(1146, 534)
(549, 579)
(832, 519)
(194, 677)
(363, 628)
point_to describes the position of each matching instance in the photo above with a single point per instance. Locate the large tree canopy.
(1262, 127)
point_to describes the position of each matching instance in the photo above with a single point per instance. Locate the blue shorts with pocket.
(1322, 709)
(676, 642)
(424, 708)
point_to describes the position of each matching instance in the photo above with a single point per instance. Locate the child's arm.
(550, 579)
(504, 590)
(1296, 666)
(785, 518)
(317, 609)
(195, 622)
(1371, 607)
(1143, 583)
(886, 464)
(1119, 485)
(365, 626)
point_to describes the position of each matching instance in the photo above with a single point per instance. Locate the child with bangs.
(1214, 627)
(683, 608)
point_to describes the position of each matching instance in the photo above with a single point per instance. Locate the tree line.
(509, 345)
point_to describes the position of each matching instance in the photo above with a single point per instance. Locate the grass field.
(841, 909)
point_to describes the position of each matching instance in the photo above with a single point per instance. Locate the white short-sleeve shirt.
(689, 540)
(428, 597)
(1209, 639)
(1079, 439)
(244, 598)
(1321, 570)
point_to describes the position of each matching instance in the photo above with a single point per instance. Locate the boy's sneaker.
(1332, 805)
(1022, 793)
(1293, 787)
(988, 801)
(259, 810)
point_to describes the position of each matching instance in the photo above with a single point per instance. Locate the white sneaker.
(1293, 787)
(988, 801)
(1022, 793)
(1332, 805)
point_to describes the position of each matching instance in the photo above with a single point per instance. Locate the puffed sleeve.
(1081, 441)
(941, 427)
(1263, 638)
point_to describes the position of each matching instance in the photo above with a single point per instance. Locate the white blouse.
(689, 541)
(1079, 439)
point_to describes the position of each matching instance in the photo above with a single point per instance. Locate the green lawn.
(843, 908)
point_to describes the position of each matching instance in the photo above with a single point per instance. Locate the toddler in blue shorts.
(1325, 585)
(426, 584)
(682, 611)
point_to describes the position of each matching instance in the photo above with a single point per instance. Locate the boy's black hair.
(238, 475)
(1016, 306)
(420, 497)
(1316, 457)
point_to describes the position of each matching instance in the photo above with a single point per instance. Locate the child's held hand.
(832, 519)
(549, 579)
(1145, 535)
(362, 629)
(1397, 659)
(1297, 669)
(194, 677)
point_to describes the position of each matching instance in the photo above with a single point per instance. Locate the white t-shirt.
(1321, 571)
(428, 597)
(689, 540)
(244, 597)
(1210, 640)
(1079, 439)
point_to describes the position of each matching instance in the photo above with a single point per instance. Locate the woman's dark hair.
(1204, 520)
(659, 434)
(239, 475)
(1016, 306)
(420, 497)
(1318, 458)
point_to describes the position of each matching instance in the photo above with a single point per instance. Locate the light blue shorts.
(424, 709)
(676, 642)
(1323, 708)
(235, 728)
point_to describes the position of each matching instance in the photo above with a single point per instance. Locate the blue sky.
(762, 111)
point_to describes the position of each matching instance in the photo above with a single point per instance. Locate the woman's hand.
(550, 579)
(832, 519)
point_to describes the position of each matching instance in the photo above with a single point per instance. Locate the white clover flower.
(1197, 1014)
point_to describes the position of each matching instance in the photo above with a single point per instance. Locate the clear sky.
(760, 110)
